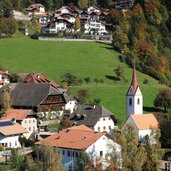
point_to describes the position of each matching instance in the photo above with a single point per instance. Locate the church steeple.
(134, 83)
(134, 97)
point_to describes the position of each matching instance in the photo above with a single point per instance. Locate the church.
(143, 124)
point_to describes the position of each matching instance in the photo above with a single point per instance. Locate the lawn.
(83, 59)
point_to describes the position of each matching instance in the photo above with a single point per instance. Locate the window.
(101, 153)
(130, 102)
(29, 121)
(25, 121)
(138, 101)
(73, 154)
(104, 119)
(33, 128)
(10, 144)
(63, 152)
(68, 153)
(98, 128)
(33, 121)
(29, 128)
(76, 154)
(109, 119)
(109, 127)
(3, 77)
(15, 143)
(104, 128)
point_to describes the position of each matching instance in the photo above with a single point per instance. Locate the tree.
(83, 96)
(83, 4)
(119, 73)
(77, 24)
(49, 158)
(6, 100)
(17, 160)
(69, 78)
(131, 151)
(87, 79)
(163, 99)
(65, 123)
(154, 153)
(6, 9)
(84, 162)
(58, 3)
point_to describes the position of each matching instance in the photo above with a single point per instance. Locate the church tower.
(134, 99)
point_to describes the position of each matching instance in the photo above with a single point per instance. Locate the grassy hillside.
(83, 59)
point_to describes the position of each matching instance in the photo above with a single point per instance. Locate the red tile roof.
(145, 121)
(39, 78)
(77, 137)
(18, 114)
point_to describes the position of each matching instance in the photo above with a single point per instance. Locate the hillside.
(83, 59)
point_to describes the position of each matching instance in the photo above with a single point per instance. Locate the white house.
(63, 10)
(36, 9)
(73, 140)
(26, 118)
(93, 8)
(94, 27)
(95, 117)
(4, 78)
(10, 132)
(143, 124)
(44, 19)
(71, 103)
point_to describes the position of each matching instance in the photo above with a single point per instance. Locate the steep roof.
(89, 115)
(39, 78)
(145, 121)
(29, 94)
(18, 114)
(78, 137)
(134, 84)
(35, 6)
(7, 127)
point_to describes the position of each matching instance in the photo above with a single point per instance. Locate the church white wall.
(137, 105)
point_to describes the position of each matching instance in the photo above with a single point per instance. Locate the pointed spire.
(134, 83)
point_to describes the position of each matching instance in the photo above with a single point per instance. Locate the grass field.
(83, 59)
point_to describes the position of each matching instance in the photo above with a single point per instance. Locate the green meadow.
(83, 59)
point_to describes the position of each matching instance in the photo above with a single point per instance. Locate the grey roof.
(89, 115)
(28, 94)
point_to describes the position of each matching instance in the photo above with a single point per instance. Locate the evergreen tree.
(77, 24)
(83, 4)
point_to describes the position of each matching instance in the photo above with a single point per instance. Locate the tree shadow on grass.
(110, 77)
(151, 109)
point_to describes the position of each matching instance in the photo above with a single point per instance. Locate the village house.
(39, 78)
(10, 131)
(71, 103)
(35, 96)
(73, 140)
(36, 9)
(26, 118)
(4, 78)
(124, 4)
(95, 117)
(93, 8)
(143, 124)
(94, 27)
